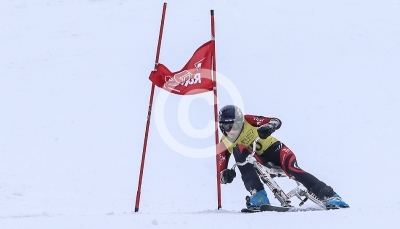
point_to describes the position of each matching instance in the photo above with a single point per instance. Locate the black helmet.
(230, 117)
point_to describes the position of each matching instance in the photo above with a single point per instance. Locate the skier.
(239, 132)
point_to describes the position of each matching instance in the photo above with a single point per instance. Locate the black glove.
(265, 130)
(227, 176)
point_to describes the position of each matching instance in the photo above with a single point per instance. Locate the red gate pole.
(149, 112)
(214, 70)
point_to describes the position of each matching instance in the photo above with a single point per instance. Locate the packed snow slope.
(75, 93)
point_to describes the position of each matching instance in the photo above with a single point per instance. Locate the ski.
(274, 208)
(266, 208)
(246, 210)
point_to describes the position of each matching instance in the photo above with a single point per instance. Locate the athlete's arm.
(261, 120)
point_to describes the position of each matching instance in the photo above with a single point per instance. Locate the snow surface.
(74, 97)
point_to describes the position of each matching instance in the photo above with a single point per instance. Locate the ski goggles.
(227, 127)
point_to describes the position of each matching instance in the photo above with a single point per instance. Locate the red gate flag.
(193, 78)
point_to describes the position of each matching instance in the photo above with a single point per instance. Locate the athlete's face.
(233, 133)
(232, 129)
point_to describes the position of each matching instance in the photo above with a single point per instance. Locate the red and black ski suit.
(268, 150)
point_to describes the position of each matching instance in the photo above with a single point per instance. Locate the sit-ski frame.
(269, 172)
